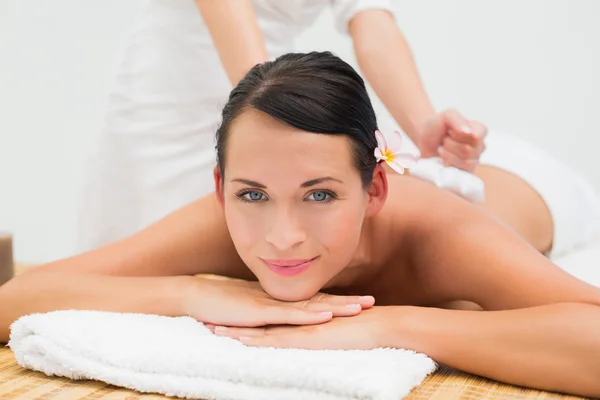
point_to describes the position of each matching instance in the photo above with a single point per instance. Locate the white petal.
(381, 143)
(396, 167)
(378, 154)
(394, 141)
(407, 160)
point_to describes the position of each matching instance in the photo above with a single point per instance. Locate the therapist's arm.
(386, 60)
(236, 35)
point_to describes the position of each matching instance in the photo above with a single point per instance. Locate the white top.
(171, 56)
(156, 151)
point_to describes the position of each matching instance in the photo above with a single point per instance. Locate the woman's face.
(294, 204)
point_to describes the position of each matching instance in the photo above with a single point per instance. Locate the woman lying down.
(332, 249)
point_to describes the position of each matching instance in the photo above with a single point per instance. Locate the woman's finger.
(341, 306)
(274, 315)
(210, 327)
(338, 310)
(299, 339)
(236, 333)
(364, 301)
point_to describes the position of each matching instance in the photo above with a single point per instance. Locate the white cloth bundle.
(181, 357)
(460, 182)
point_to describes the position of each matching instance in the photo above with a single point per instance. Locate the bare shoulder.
(414, 209)
(192, 240)
(414, 204)
(459, 252)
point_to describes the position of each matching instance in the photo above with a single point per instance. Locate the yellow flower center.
(388, 155)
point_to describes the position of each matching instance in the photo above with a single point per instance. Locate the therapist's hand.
(458, 141)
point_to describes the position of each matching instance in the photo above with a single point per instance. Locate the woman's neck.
(371, 256)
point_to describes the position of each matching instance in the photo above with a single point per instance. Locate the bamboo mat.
(444, 384)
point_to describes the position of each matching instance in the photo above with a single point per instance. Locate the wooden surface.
(445, 384)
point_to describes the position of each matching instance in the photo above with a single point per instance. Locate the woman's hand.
(245, 304)
(366, 331)
(459, 142)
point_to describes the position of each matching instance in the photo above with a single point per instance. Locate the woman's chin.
(298, 292)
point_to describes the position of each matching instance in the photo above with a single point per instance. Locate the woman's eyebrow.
(250, 183)
(313, 182)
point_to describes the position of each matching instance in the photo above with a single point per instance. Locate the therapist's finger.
(461, 150)
(459, 128)
(452, 160)
(479, 129)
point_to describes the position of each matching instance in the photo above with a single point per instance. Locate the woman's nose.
(286, 232)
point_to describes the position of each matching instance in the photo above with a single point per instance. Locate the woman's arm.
(555, 347)
(191, 240)
(387, 62)
(144, 273)
(39, 292)
(236, 35)
(541, 327)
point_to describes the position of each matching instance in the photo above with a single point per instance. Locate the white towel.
(181, 357)
(462, 183)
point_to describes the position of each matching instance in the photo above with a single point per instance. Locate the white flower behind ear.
(388, 150)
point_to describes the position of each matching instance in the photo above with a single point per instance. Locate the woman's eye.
(253, 196)
(319, 196)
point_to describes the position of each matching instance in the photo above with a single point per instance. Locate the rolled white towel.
(181, 357)
(460, 182)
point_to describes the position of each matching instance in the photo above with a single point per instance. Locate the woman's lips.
(289, 267)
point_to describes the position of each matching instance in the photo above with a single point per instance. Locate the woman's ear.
(377, 192)
(218, 185)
